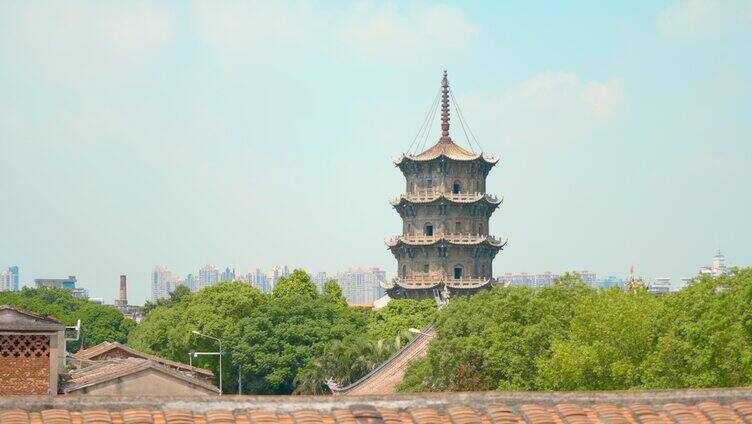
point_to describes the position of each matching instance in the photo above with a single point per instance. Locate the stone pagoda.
(445, 247)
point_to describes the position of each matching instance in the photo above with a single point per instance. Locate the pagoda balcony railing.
(457, 238)
(419, 280)
(424, 196)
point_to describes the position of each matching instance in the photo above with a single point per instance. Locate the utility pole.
(240, 381)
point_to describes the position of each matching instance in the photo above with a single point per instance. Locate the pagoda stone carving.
(445, 248)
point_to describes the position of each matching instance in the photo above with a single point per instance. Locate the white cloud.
(690, 19)
(550, 107)
(368, 29)
(82, 39)
(384, 30)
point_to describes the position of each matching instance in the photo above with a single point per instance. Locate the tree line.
(564, 337)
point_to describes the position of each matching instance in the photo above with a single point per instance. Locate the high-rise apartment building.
(228, 274)
(207, 276)
(319, 279)
(15, 280)
(6, 281)
(361, 286)
(162, 283)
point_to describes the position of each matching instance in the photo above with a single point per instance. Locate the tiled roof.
(115, 368)
(12, 318)
(104, 347)
(384, 379)
(449, 150)
(671, 406)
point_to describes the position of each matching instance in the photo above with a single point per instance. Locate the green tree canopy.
(571, 337)
(99, 323)
(297, 283)
(277, 339)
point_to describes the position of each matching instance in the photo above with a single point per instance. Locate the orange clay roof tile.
(679, 406)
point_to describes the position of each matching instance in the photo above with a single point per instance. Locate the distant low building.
(524, 279)
(63, 283)
(660, 285)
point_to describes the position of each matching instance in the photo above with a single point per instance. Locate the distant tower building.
(15, 277)
(162, 283)
(207, 275)
(320, 279)
(445, 246)
(717, 267)
(123, 295)
(361, 286)
(6, 281)
(719, 264)
(228, 274)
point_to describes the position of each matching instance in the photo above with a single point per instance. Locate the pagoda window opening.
(458, 272)
(483, 270)
(409, 229)
(425, 268)
(404, 271)
(428, 229)
(456, 187)
(480, 229)
(458, 227)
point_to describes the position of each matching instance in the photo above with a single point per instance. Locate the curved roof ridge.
(428, 332)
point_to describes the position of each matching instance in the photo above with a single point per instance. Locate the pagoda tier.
(426, 287)
(445, 247)
(435, 196)
(451, 239)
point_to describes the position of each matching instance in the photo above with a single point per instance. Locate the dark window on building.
(428, 230)
(457, 272)
(483, 270)
(404, 270)
(458, 227)
(456, 187)
(425, 268)
(480, 229)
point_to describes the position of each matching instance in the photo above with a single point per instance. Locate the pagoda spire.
(445, 109)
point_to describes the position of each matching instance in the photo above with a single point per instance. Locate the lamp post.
(212, 353)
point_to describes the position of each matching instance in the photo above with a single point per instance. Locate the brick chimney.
(123, 300)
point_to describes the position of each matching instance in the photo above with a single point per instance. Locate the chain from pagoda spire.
(445, 109)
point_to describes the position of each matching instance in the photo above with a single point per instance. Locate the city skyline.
(195, 137)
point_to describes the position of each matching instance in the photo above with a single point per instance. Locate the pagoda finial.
(445, 109)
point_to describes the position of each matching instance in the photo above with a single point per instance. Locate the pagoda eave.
(450, 198)
(491, 161)
(438, 240)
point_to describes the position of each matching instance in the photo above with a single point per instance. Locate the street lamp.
(212, 353)
(416, 331)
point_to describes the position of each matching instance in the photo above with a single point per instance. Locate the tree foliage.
(570, 337)
(98, 322)
(297, 283)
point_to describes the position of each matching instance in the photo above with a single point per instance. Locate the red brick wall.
(24, 365)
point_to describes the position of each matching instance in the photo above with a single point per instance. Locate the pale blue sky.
(250, 134)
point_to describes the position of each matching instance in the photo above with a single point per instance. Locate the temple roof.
(446, 147)
(383, 380)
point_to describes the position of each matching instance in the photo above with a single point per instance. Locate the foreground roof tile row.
(718, 406)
